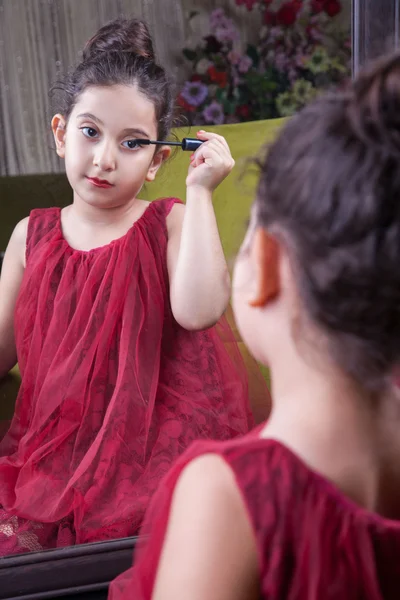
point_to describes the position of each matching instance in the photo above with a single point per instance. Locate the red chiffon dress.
(313, 542)
(113, 389)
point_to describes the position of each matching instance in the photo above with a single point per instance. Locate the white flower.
(202, 66)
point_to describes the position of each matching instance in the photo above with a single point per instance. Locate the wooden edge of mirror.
(82, 571)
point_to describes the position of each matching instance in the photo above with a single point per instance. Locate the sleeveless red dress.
(113, 389)
(313, 542)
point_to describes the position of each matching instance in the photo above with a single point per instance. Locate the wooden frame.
(84, 571)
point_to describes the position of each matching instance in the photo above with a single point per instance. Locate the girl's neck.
(336, 428)
(95, 215)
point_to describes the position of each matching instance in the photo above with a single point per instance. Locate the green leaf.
(229, 107)
(219, 95)
(252, 52)
(189, 54)
(219, 61)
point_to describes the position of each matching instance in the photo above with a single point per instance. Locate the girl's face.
(104, 165)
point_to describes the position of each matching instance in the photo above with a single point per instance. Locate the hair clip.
(189, 144)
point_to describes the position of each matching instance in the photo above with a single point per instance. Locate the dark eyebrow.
(135, 131)
(91, 117)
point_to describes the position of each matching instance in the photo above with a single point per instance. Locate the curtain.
(40, 39)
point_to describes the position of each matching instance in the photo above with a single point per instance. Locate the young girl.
(114, 299)
(310, 507)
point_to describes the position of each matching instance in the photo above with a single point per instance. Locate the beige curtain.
(39, 39)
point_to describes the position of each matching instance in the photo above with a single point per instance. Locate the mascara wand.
(188, 144)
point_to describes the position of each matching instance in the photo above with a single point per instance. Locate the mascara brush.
(187, 144)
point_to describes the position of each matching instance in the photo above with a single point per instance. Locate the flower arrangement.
(298, 53)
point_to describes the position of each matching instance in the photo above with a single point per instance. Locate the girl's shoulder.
(169, 211)
(17, 243)
(30, 229)
(42, 223)
(167, 206)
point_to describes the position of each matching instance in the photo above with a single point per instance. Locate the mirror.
(35, 179)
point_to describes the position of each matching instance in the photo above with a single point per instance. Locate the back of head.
(330, 186)
(120, 53)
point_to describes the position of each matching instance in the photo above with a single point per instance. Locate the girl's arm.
(209, 551)
(10, 281)
(199, 277)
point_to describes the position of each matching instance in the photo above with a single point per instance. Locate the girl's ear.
(59, 127)
(266, 254)
(159, 157)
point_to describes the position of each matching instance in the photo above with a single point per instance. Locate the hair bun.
(374, 107)
(121, 35)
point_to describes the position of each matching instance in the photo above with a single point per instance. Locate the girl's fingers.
(205, 152)
(219, 147)
(208, 135)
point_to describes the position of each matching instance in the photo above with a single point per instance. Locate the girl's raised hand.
(211, 162)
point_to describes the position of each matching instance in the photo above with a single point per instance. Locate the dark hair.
(331, 185)
(121, 52)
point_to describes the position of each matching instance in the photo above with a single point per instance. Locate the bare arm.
(209, 551)
(199, 278)
(10, 282)
(198, 273)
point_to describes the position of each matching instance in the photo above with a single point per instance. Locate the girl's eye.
(131, 144)
(89, 132)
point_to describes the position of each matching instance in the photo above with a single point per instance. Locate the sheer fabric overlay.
(113, 389)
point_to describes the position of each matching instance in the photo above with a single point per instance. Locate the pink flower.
(214, 113)
(280, 61)
(229, 33)
(234, 57)
(299, 59)
(217, 17)
(224, 29)
(236, 80)
(245, 64)
(275, 32)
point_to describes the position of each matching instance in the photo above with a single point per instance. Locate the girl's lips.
(103, 183)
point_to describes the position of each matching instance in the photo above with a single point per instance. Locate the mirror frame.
(375, 30)
(83, 571)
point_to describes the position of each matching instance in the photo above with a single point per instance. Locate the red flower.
(297, 5)
(287, 14)
(249, 3)
(243, 111)
(332, 8)
(196, 77)
(185, 105)
(270, 18)
(218, 77)
(317, 6)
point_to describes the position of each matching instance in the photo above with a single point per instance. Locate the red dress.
(313, 542)
(113, 389)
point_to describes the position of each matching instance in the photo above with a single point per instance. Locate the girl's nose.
(104, 158)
